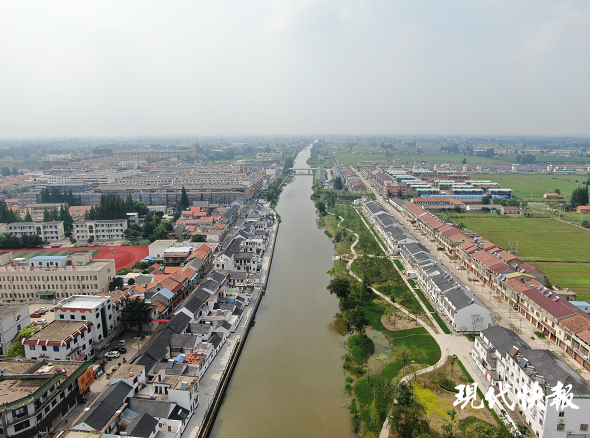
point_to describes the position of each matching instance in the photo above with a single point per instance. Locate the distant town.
(131, 272)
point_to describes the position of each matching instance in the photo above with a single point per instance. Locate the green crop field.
(560, 249)
(353, 159)
(537, 185)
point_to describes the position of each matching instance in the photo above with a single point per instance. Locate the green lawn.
(536, 186)
(559, 249)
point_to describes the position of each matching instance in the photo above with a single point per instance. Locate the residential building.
(100, 230)
(103, 311)
(61, 341)
(50, 231)
(12, 320)
(35, 396)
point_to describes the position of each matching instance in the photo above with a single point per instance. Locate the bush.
(448, 385)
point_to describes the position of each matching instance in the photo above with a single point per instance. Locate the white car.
(112, 354)
(41, 321)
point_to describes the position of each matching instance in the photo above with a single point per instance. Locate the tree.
(464, 161)
(131, 281)
(46, 216)
(364, 291)
(448, 428)
(407, 416)
(136, 312)
(28, 217)
(340, 287)
(356, 320)
(321, 207)
(337, 183)
(557, 191)
(496, 318)
(452, 361)
(184, 202)
(116, 283)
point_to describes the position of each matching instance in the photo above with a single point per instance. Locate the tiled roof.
(577, 323)
(557, 309)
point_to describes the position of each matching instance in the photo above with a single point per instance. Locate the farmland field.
(537, 185)
(353, 159)
(559, 249)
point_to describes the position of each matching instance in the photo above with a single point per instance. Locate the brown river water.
(289, 380)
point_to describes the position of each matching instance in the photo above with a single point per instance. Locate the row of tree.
(113, 207)
(579, 197)
(55, 195)
(8, 241)
(7, 216)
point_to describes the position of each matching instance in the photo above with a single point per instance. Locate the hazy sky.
(198, 67)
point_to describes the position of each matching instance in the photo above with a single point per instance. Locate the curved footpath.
(460, 345)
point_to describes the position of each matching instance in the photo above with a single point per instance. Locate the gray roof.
(216, 276)
(460, 298)
(215, 339)
(147, 361)
(503, 339)
(142, 426)
(183, 341)
(195, 302)
(373, 206)
(8, 310)
(177, 369)
(238, 275)
(210, 285)
(158, 409)
(179, 322)
(554, 370)
(105, 406)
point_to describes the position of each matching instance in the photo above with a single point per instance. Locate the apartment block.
(100, 230)
(50, 231)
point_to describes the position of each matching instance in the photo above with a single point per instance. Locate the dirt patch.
(439, 401)
(401, 322)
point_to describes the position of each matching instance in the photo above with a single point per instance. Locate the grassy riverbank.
(412, 346)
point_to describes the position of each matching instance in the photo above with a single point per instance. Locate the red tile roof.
(577, 323)
(557, 309)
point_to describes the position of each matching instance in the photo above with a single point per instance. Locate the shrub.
(448, 385)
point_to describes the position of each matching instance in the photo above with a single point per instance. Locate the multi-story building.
(50, 231)
(12, 320)
(36, 395)
(51, 277)
(61, 340)
(100, 230)
(103, 311)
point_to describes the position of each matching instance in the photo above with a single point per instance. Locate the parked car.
(121, 343)
(52, 309)
(121, 350)
(41, 311)
(112, 354)
(35, 315)
(41, 321)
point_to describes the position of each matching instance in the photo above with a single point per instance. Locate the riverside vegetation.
(375, 382)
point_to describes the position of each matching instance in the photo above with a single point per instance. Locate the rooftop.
(81, 302)
(127, 371)
(58, 331)
(8, 310)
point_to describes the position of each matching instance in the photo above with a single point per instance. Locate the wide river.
(289, 380)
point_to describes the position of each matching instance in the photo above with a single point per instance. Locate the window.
(560, 427)
(20, 426)
(55, 348)
(43, 348)
(583, 427)
(61, 316)
(72, 316)
(561, 414)
(31, 347)
(20, 412)
(83, 317)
